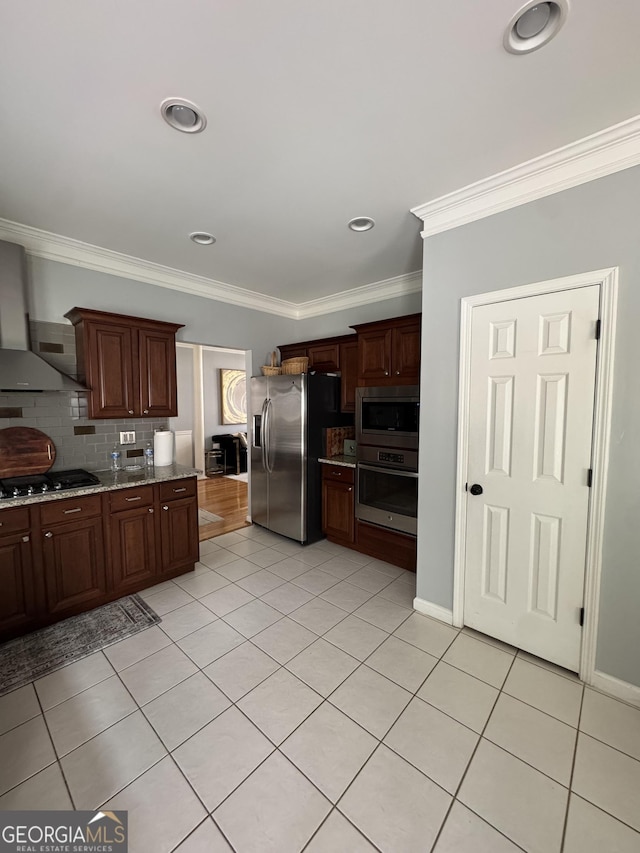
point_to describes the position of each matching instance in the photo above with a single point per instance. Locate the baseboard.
(428, 608)
(616, 687)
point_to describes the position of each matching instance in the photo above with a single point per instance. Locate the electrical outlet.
(127, 438)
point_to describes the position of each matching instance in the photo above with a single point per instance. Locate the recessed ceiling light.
(183, 115)
(361, 223)
(534, 25)
(202, 238)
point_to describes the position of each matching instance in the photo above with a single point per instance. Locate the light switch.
(127, 437)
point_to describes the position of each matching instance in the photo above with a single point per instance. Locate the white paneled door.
(533, 364)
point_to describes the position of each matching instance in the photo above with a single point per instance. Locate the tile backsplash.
(79, 442)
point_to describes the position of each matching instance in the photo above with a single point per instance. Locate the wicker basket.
(271, 369)
(295, 365)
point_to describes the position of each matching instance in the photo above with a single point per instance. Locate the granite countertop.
(110, 480)
(344, 461)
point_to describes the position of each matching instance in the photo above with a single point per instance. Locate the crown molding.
(66, 250)
(377, 291)
(603, 153)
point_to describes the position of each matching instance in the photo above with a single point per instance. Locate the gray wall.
(79, 442)
(184, 378)
(338, 322)
(586, 228)
(212, 362)
(55, 288)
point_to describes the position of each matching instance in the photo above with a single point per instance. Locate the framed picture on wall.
(233, 396)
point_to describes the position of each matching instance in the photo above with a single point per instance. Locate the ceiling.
(317, 112)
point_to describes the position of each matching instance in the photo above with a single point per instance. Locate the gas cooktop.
(40, 484)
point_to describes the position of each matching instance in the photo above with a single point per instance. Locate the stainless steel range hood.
(20, 368)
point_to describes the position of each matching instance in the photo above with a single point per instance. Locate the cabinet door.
(18, 606)
(74, 569)
(158, 394)
(405, 357)
(338, 511)
(133, 548)
(179, 534)
(108, 367)
(324, 357)
(374, 354)
(349, 373)
(293, 351)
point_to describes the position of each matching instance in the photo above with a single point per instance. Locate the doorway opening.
(211, 430)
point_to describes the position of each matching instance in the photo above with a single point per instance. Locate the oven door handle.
(381, 469)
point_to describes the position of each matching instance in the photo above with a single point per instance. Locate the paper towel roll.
(162, 447)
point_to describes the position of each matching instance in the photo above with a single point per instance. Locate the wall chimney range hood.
(20, 368)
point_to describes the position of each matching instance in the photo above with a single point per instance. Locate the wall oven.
(388, 417)
(387, 488)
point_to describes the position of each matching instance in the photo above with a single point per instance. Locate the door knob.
(476, 489)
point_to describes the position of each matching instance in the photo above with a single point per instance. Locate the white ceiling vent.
(183, 115)
(534, 25)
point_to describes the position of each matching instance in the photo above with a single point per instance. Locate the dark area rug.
(26, 658)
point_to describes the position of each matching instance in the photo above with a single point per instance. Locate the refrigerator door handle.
(269, 409)
(263, 434)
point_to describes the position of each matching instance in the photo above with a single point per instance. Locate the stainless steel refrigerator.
(288, 416)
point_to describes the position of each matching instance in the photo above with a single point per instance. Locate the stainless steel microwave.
(388, 417)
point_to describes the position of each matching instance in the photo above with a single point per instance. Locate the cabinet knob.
(150, 509)
(25, 538)
(165, 507)
(350, 489)
(48, 534)
(386, 373)
(397, 373)
(145, 412)
(130, 411)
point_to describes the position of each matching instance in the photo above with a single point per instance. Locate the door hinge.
(597, 334)
(581, 616)
(589, 477)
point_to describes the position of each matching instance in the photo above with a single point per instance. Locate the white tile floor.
(292, 700)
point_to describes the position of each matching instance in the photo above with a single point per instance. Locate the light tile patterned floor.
(292, 700)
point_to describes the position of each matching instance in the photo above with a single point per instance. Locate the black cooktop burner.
(40, 484)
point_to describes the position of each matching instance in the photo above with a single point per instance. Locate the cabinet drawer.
(338, 473)
(13, 520)
(70, 509)
(178, 489)
(131, 498)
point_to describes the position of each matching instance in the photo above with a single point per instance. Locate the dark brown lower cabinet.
(178, 534)
(62, 557)
(399, 549)
(340, 525)
(74, 566)
(133, 548)
(338, 504)
(18, 601)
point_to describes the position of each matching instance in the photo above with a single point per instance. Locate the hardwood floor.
(226, 498)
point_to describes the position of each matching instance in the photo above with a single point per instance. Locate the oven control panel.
(392, 458)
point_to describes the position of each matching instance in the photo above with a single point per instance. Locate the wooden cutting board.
(25, 451)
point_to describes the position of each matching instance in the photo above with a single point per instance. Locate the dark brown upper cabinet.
(389, 351)
(128, 364)
(327, 355)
